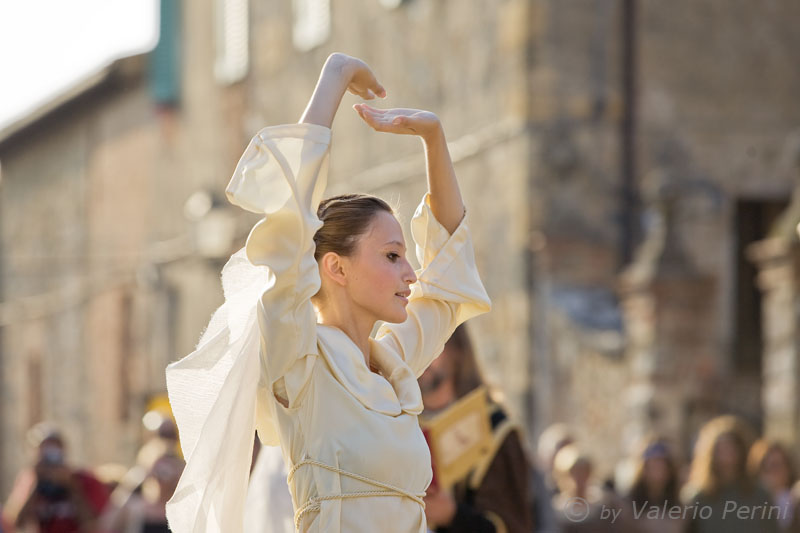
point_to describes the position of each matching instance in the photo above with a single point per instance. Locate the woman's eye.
(393, 257)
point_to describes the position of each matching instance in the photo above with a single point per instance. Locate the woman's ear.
(332, 266)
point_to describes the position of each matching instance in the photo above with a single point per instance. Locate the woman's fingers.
(372, 119)
(386, 120)
(361, 93)
(371, 109)
(397, 120)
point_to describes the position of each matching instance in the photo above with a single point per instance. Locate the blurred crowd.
(55, 496)
(734, 483)
(729, 486)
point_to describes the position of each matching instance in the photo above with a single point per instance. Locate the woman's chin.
(397, 317)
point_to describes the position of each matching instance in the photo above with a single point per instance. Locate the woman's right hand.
(341, 73)
(361, 81)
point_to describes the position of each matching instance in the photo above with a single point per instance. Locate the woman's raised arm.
(446, 203)
(339, 74)
(448, 290)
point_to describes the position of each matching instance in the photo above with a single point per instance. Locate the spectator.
(655, 487)
(580, 504)
(53, 496)
(143, 510)
(552, 439)
(494, 496)
(719, 482)
(165, 439)
(770, 463)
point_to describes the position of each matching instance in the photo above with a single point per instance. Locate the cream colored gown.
(357, 459)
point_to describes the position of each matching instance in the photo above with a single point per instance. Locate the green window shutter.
(165, 66)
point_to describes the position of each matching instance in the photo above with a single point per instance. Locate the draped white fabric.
(268, 508)
(213, 396)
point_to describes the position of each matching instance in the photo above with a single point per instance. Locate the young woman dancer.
(290, 352)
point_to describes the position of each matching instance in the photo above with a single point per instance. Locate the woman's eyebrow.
(403, 246)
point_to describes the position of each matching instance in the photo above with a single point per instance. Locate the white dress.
(268, 508)
(357, 459)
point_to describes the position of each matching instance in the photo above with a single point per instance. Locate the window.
(231, 34)
(754, 218)
(312, 23)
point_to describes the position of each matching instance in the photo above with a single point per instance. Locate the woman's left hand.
(400, 120)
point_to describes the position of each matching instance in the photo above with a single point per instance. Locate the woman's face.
(656, 471)
(380, 275)
(727, 457)
(775, 471)
(436, 383)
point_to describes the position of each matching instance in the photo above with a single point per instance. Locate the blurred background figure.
(655, 486)
(771, 464)
(552, 439)
(110, 475)
(141, 508)
(268, 508)
(163, 438)
(139, 493)
(497, 499)
(53, 496)
(580, 501)
(718, 476)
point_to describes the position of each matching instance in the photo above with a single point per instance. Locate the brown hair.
(466, 372)
(759, 453)
(345, 218)
(655, 447)
(703, 475)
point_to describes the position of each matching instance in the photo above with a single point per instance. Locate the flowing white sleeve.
(448, 291)
(264, 332)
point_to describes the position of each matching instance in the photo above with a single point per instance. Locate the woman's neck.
(357, 330)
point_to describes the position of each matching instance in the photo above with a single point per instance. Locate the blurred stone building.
(628, 165)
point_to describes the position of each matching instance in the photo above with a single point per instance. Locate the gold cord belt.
(314, 503)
